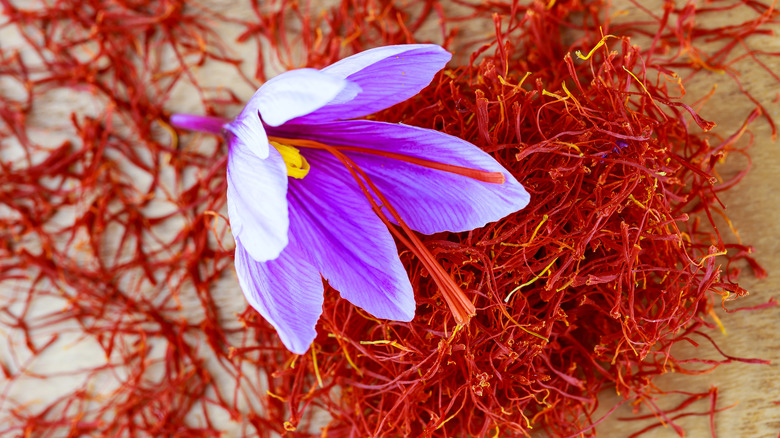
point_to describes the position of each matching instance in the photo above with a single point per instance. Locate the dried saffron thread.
(479, 175)
(49, 200)
(179, 363)
(640, 205)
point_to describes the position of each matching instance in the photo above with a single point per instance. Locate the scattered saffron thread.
(617, 248)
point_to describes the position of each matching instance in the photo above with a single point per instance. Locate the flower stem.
(211, 125)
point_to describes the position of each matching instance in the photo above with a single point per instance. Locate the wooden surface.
(753, 209)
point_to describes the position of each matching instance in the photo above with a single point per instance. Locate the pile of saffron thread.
(586, 289)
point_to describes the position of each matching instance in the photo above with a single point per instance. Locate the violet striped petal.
(386, 76)
(347, 242)
(428, 200)
(287, 291)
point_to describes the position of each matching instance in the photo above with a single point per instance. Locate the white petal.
(257, 200)
(295, 93)
(252, 134)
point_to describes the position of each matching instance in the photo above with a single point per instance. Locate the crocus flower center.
(462, 308)
(297, 166)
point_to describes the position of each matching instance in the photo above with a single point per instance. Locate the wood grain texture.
(754, 209)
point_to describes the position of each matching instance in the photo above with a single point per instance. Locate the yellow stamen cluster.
(297, 166)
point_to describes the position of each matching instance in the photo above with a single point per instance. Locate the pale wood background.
(753, 208)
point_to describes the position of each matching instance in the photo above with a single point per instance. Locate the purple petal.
(257, 200)
(347, 242)
(386, 76)
(289, 95)
(428, 200)
(287, 291)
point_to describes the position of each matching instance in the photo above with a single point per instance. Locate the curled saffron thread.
(476, 174)
(206, 357)
(461, 307)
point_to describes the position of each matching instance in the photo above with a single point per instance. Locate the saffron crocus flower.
(299, 213)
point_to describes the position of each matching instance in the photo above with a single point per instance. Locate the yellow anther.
(297, 166)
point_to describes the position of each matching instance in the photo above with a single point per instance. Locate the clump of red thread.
(587, 288)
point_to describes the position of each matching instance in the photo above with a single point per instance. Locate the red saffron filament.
(113, 235)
